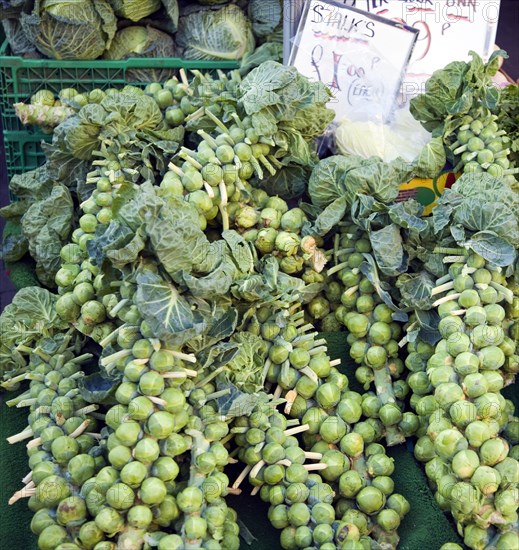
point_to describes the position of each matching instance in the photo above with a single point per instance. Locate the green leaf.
(240, 251)
(269, 51)
(96, 388)
(462, 105)
(216, 283)
(370, 270)
(491, 98)
(215, 356)
(258, 89)
(431, 160)
(407, 215)
(288, 183)
(15, 210)
(416, 289)
(264, 123)
(113, 237)
(167, 312)
(245, 370)
(238, 403)
(478, 214)
(176, 238)
(388, 250)
(330, 217)
(14, 248)
(47, 224)
(328, 180)
(129, 253)
(428, 323)
(82, 134)
(35, 307)
(215, 34)
(495, 249)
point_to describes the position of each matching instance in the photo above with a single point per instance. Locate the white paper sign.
(359, 56)
(449, 29)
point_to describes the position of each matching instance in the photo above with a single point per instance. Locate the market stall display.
(189, 244)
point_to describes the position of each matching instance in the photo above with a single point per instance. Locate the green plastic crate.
(23, 151)
(20, 78)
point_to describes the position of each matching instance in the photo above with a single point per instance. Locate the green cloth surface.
(424, 528)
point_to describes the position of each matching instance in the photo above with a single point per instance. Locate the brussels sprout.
(41, 519)
(52, 490)
(90, 535)
(486, 479)
(71, 511)
(370, 500)
(436, 468)
(333, 429)
(506, 500)
(336, 464)
(350, 483)
(508, 469)
(424, 449)
(493, 451)
(463, 413)
(287, 242)
(388, 519)
(465, 463)
(384, 483)
(390, 414)
(380, 465)
(247, 217)
(109, 521)
(437, 424)
(464, 498)
(449, 442)
(352, 444)
(51, 537)
(475, 537)
(133, 474)
(507, 541)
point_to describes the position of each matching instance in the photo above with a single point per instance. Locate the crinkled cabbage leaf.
(17, 39)
(265, 16)
(135, 10)
(339, 176)
(146, 42)
(215, 34)
(70, 29)
(47, 225)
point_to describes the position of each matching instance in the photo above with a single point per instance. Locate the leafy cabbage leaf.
(339, 176)
(70, 29)
(47, 225)
(265, 16)
(16, 37)
(215, 34)
(134, 10)
(169, 314)
(270, 51)
(142, 42)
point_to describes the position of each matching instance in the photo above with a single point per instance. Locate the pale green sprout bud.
(288, 243)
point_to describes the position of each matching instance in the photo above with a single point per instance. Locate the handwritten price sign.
(360, 56)
(448, 30)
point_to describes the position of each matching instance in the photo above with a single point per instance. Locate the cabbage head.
(70, 29)
(135, 10)
(265, 16)
(139, 41)
(225, 33)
